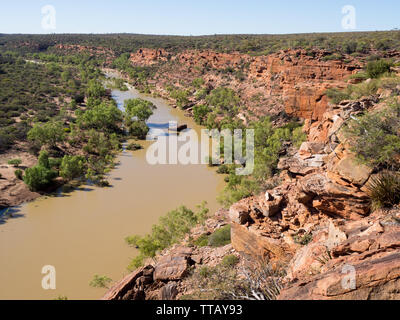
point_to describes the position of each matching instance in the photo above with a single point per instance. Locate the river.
(81, 233)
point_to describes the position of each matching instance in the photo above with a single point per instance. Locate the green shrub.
(225, 100)
(201, 241)
(200, 113)
(375, 137)
(384, 190)
(377, 68)
(181, 97)
(197, 83)
(15, 162)
(134, 146)
(304, 239)
(19, 174)
(220, 237)
(103, 117)
(230, 261)
(139, 108)
(171, 229)
(336, 96)
(72, 167)
(49, 133)
(38, 177)
(100, 282)
(139, 129)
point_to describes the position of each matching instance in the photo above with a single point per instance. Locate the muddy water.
(81, 233)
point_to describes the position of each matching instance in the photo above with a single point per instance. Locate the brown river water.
(81, 233)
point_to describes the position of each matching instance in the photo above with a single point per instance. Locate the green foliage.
(139, 129)
(200, 113)
(49, 133)
(15, 162)
(201, 241)
(298, 137)
(139, 108)
(220, 237)
(198, 83)
(100, 282)
(375, 137)
(72, 167)
(230, 261)
(303, 239)
(170, 230)
(103, 117)
(268, 145)
(224, 100)
(19, 174)
(95, 89)
(181, 97)
(38, 177)
(43, 159)
(377, 68)
(336, 96)
(384, 190)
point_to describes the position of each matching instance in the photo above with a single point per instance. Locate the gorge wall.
(293, 81)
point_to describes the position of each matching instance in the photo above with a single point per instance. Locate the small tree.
(100, 281)
(139, 108)
(15, 162)
(37, 178)
(49, 133)
(139, 129)
(72, 167)
(377, 68)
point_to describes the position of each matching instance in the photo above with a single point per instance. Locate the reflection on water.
(81, 231)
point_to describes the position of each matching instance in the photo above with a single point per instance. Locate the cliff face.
(293, 81)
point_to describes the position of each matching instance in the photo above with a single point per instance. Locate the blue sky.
(198, 17)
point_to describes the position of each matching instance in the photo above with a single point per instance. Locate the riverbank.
(81, 231)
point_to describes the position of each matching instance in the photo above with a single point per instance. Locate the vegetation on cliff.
(171, 229)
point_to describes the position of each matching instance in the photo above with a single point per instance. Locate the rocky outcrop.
(363, 263)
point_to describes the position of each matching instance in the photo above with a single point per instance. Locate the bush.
(377, 68)
(201, 241)
(100, 282)
(139, 108)
(102, 117)
(139, 129)
(230, 261)
(170, 230)
(225, 100)
(15, 162)
(49, 133)
(220, 237)
(384, 190)
(134, 146)
(200, 113)
(19, 174)
(38, 177)
(336, 96)
(375, 137)
(72, 167)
